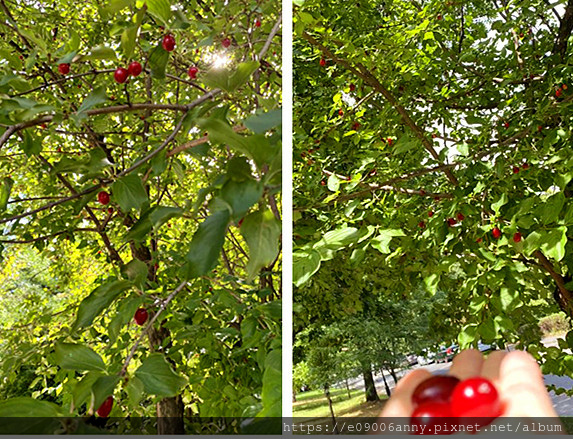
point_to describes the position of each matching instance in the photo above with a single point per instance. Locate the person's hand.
(516, 375)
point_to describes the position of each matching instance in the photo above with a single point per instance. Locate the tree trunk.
(348, 388)
(327, 394)
(385, 383)
(293, 396)
(369, 385)
(170, 416)
(393, 373)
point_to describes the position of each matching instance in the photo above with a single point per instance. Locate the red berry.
(257, 23)
(226, 42)
(478, 240)
(168, 42)
(496, 233)
(564, 86)
(431, 213)
(506, 124)
(352, 87)
(437, 388)
(525, 166)
(558, 92)
(105, 408)
(355, 126)
(43, 126)
(141, 316)
(515, 169)
(240, 223)
(193, 72)
(434, 136)
(451, 222)
(389, 140)
(322, 183)
(439, 17)
(340, 113)
(422, 225)
(322, 62)
(539, 128)
(516, 237)
(476, 397)
(460, 216)
(134, 68)
(120, 75)
(427, 416)
(103, 197)
(110, 210)
(64, 69)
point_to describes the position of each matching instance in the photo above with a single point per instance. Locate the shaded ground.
(314, 404)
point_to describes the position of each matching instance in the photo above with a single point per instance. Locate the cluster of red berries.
(524, 166)
(444, 396)
(121, 74)
(453, 221)
(560, 90)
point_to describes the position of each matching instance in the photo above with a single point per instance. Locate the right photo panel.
(433, 213)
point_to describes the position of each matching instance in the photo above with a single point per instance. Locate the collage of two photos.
(168, 167)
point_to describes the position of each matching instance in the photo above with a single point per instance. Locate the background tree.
(436, 136)
(144, 138)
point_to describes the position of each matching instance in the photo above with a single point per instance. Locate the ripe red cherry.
(435, 389)
(193, 72)
(168, 42)
(64, 69)
(134, 68)
(103, 197)
(322, 62)
(105, 408)
(258, 23)
(141, 316)
(431, 213)
(451, 222)
(428, 415)
(355, 126)
(515, 169)
(460, 216)
(496, 233)
(120, 75)
(389, 140)
(422, 225)
(525, 166)
(340, 113)
(226, 42)
(352, 87)
(558, 92)
(478, 240)
(322, 183)
(506, 124)
(439, 17)
(516, 237)
(476, 397)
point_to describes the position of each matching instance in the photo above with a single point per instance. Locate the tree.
(166, 176)
(436, 136)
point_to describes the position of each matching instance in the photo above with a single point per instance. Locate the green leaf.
(272, 385)
(551, 209)
(77, 357)
(103, 387)
(499, 203)
(304, 265)
(487, 329)
(134, 391)
(432, 282)
(241, 195)
(206, 244)
(28, 408)
(467, 336)
(333, 183)
(100, 52)
(161, 214)
(114, 6)
(242, 74)
(158, 377)
(129, 40)
(136, 271)
(96, 97)
(382, 241)
(160, 9)
(82, 391)
(5, 191)
(129, 192)
(261, 231)
(553, 243)
(158, 62)
(261, 123)
(569, 339)
(31, 144)
(509, 299)
(98, 300)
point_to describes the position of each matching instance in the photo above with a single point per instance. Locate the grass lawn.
(313, 404)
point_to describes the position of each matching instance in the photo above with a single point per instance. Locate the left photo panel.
(140, 217)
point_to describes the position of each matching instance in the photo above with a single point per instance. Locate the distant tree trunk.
(369, 385)
(393, 373)
(293, 396)
(348, 388)
(327, 394)
(385, 383)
